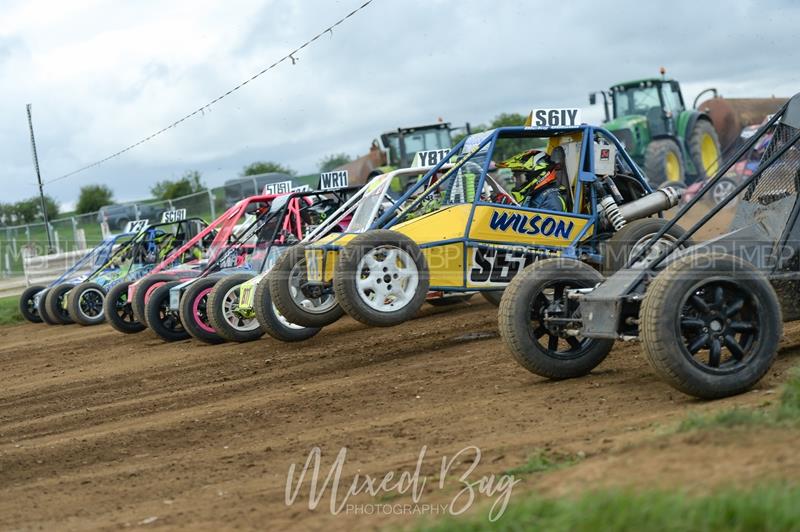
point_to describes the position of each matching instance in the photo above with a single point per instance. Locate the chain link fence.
(84, 231)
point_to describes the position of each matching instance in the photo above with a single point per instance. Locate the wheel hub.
(387, 278)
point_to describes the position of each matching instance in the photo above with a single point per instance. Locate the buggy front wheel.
(143, 289)
(55, 305)
(538, 321)
(224, 315)
(28, 303)
(634, 237)
(274, 323)
(194, 311)
(41, 307)
(119, 312)
(381, 278)
(710, 325)
(164, 322)
(297, 300)
(85, 304)
(493, 296)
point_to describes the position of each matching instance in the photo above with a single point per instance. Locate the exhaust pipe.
(660, 200)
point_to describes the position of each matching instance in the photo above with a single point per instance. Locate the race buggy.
(709, 315)
(207, 305)
(31, 302)
(463, 232)
(286, 283)
(125, 305)
(83, 303)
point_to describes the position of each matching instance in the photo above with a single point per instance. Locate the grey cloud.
(400, 63)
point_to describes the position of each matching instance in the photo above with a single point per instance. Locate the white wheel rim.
(386, 278)
(284, 321)
(665, 243)
(318, 305)
(722, 190)
(229, 306)
(86, 292)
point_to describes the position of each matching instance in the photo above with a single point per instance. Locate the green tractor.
(672, 143)
(401, 145)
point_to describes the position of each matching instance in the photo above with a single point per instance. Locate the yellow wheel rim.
(709, 154)
(673, 168)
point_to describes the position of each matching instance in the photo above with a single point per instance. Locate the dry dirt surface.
(100, 430)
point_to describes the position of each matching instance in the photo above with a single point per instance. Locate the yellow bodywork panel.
(320, 264)
(446, 264)
(498, 224)
(444, 224)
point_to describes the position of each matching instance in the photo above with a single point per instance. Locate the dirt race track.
(103, 430)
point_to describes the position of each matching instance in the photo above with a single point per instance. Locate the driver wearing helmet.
(535, 178)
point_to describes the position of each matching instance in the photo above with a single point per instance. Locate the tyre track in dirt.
(215, 376)
(118, 438)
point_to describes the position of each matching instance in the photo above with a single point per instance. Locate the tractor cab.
(672, 143)
(659, 101)
(403, 144)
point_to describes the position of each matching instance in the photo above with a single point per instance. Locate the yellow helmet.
(528, 161)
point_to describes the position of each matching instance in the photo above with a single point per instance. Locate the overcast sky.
(101, 74)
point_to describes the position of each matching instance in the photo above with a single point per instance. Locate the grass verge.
(541, 461)
(765, 508)
(787, 412)
(9, 310)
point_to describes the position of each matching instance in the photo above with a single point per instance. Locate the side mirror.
(592, 98)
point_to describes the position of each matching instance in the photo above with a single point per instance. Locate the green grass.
(9, 310)
(763, 508)
(735, 417)
(789, 407)
(787, 412)
(542, 461)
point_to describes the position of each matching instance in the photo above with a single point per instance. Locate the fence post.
(80, 239)
(255, 187)
(28, 234)
(74, 231)
(55, 240)
(136, 211)
(171, 206)
(211, 204)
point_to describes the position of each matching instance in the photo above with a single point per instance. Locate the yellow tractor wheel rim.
(709, 154)
(673, 168)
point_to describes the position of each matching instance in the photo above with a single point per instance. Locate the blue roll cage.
(586, 175)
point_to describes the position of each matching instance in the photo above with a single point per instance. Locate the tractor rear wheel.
(663, 162)
(703, 145)
(710, 325)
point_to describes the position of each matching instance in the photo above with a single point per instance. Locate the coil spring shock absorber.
(612, 213)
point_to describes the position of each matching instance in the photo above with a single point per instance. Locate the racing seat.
(562, 177)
